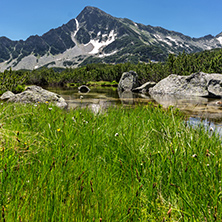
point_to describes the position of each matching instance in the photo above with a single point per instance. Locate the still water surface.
(207, 111)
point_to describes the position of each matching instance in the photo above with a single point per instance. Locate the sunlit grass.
(124, 164)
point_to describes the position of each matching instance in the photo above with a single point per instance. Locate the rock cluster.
(197, 84)
(129, 83)
(35, 94)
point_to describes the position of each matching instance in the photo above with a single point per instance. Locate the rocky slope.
(95, 36)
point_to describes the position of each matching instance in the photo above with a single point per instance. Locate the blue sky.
(195, 18)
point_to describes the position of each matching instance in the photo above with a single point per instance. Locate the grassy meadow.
(123, 164)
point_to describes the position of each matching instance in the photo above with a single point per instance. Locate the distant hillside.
(95, 36)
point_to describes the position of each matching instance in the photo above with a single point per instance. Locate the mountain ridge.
(95, 36)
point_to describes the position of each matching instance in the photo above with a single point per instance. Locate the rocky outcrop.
(144, 88)
(128, 81)
(36, 94)
(197, 84)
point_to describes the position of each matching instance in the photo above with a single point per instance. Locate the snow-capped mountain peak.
(95, 36)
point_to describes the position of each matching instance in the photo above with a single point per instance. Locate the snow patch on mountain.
(220, 39)
(77, 27)
(167, 42)
(107, 54)
(157, 36)
(172, 40)
(97, 44)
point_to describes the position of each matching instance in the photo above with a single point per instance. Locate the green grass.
(124, 164)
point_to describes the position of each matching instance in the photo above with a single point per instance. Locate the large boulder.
(214, 85)
(197, 84)
(128, 81)
(144, 88)
(36, 94)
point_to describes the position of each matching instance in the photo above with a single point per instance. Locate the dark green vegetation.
(183, 64)
(138, 164)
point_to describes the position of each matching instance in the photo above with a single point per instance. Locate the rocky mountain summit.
(95, 36)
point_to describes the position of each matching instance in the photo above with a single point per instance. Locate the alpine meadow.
(134, 162)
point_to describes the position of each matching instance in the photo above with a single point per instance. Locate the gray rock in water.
(35, 94)
(83, 89)
(144, 88)
(128, 81)
(7, 95)
(197, 84)
(214, 86)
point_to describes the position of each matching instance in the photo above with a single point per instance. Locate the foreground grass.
(140, 164)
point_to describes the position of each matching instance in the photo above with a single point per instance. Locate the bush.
(19, 88)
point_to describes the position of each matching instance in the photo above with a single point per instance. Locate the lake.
(205, 110)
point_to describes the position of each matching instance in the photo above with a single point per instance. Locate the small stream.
(201, 110)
